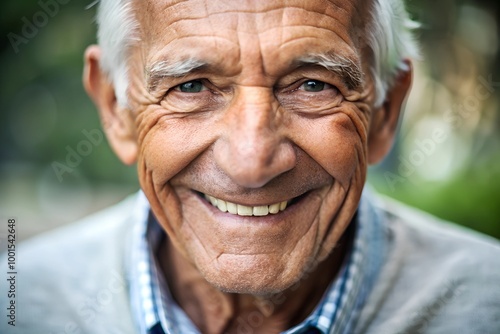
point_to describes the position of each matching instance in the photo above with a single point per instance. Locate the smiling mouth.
(245, 210)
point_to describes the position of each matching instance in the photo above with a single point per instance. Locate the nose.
(254, 149)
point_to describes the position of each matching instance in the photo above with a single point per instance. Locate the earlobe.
(117, 122)
(385, 119)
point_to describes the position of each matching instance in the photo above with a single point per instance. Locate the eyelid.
(297, 85)
(311, 72)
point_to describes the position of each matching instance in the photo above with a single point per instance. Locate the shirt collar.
(154, 307)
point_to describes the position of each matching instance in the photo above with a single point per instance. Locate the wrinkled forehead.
(274, 27)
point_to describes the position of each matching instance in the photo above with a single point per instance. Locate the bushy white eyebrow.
(346, 68)
(168, 69)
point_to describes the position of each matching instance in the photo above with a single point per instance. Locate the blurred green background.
(446, 159)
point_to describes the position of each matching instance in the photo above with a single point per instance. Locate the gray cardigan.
(438, 278)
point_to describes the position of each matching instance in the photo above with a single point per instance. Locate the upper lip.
(259, 200)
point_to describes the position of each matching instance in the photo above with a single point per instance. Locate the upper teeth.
(243, 210)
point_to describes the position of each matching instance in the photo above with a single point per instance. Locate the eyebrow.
(346, 68)
(167, 69)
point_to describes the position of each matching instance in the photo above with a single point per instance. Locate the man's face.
(254, 106)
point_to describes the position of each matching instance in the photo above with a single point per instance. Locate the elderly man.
(252, 124)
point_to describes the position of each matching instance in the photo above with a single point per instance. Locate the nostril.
(254, 168)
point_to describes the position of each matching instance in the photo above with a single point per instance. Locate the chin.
(260, 277)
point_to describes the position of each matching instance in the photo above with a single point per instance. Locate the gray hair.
(117, 31)
(389, 36)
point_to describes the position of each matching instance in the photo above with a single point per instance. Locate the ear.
(117, 121)
(385, 118)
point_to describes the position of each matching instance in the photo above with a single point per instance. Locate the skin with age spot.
(225, 101)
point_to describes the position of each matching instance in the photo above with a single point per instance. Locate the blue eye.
(313, 86)
(194, 86)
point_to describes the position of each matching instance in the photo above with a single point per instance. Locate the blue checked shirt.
(157, 313)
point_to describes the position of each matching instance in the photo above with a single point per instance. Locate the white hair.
(389, 36)
(117, 31)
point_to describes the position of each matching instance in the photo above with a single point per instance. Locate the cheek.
(169, 143)
(337, 142)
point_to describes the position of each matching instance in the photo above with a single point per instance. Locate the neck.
(214, 311)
